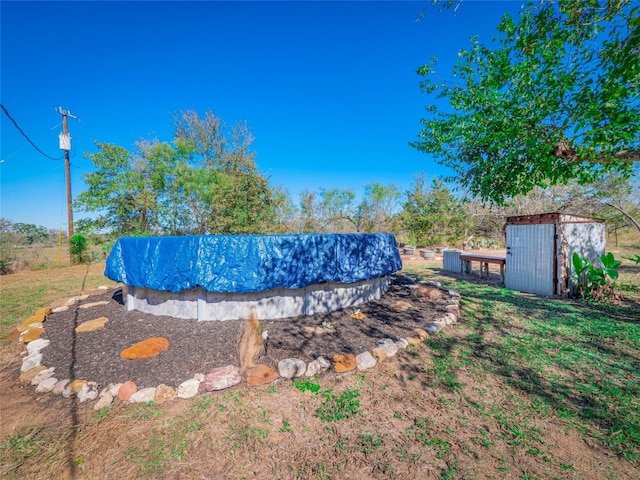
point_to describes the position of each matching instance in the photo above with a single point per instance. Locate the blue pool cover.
(251, 263)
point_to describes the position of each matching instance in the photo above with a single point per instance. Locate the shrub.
(79, 248)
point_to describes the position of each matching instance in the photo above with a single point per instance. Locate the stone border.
(220, 378)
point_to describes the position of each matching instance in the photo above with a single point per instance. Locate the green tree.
(206, 182)
(379, 205)
(432, 215)
(619, 199)
(30, 233)
(556, 98)
(129, 190)
(220, 177)
(337, 210)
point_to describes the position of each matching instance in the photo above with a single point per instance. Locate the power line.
(25, 135)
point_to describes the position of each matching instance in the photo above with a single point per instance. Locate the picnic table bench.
(485, 260)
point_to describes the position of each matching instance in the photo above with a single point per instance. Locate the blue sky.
(328, 89)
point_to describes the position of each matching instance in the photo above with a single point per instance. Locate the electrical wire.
(25, 135)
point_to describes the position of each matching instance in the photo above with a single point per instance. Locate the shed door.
(530, 256)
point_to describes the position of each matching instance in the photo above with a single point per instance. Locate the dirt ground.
(407, 428)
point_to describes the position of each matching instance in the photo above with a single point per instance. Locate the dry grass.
(251, 344)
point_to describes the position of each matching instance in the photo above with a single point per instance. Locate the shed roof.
(552, 217)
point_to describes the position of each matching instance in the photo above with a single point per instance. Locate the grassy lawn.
(521, 387)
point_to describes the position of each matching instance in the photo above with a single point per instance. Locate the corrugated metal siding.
(587, 239)
(451, 261)
(529, 265)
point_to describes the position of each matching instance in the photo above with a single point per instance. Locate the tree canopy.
(206, 182)
(555, 98)
(432, 215)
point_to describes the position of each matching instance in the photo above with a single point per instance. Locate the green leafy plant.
(337, 407)
(307, 385)
(593, 282)
(79, 247)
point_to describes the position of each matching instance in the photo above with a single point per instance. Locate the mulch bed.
(197, 347)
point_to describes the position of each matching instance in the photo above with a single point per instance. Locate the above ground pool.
(226, 277)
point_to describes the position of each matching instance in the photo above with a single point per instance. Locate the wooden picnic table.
(485, 260)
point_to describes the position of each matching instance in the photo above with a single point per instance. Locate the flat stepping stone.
(94, 304)
(317, 330)
(145, 349)
(260, 375)
(401, 306)
(91, 325)
(38, 317)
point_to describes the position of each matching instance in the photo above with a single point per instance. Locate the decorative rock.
(414, 340)
(37, 345)
(30, 362)
(379, 353)
(32, 334)
(401, 306)
(105, 400)
(389, 345)
(29, 375)
(221, 378)
(60, 309)
(260, 375)
(164, 394)
(59, 387)
(420, 333)
(89, 391)
(46, 385)
(454, 301)
(43, 375)
(358, 315)
(453, 293)
(450, 318)
(317, 330)
(38, 317)
(291, 368)
(402, 344)
(365, 361)
(453, 309)
(145, 349)
(143, 395)
(73, 388)
(199, 377)
(94, 304)
(316, 366)
(91, 325)
(431, 293)
(433, 328)
(126, 390)
(188, 389)
(344, 363)
(111, 389)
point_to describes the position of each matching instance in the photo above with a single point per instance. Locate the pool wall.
(272, 304)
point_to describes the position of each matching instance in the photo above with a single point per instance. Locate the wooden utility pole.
(67, 168)
(65, 144)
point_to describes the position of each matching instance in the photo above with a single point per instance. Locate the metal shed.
(540, 248)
